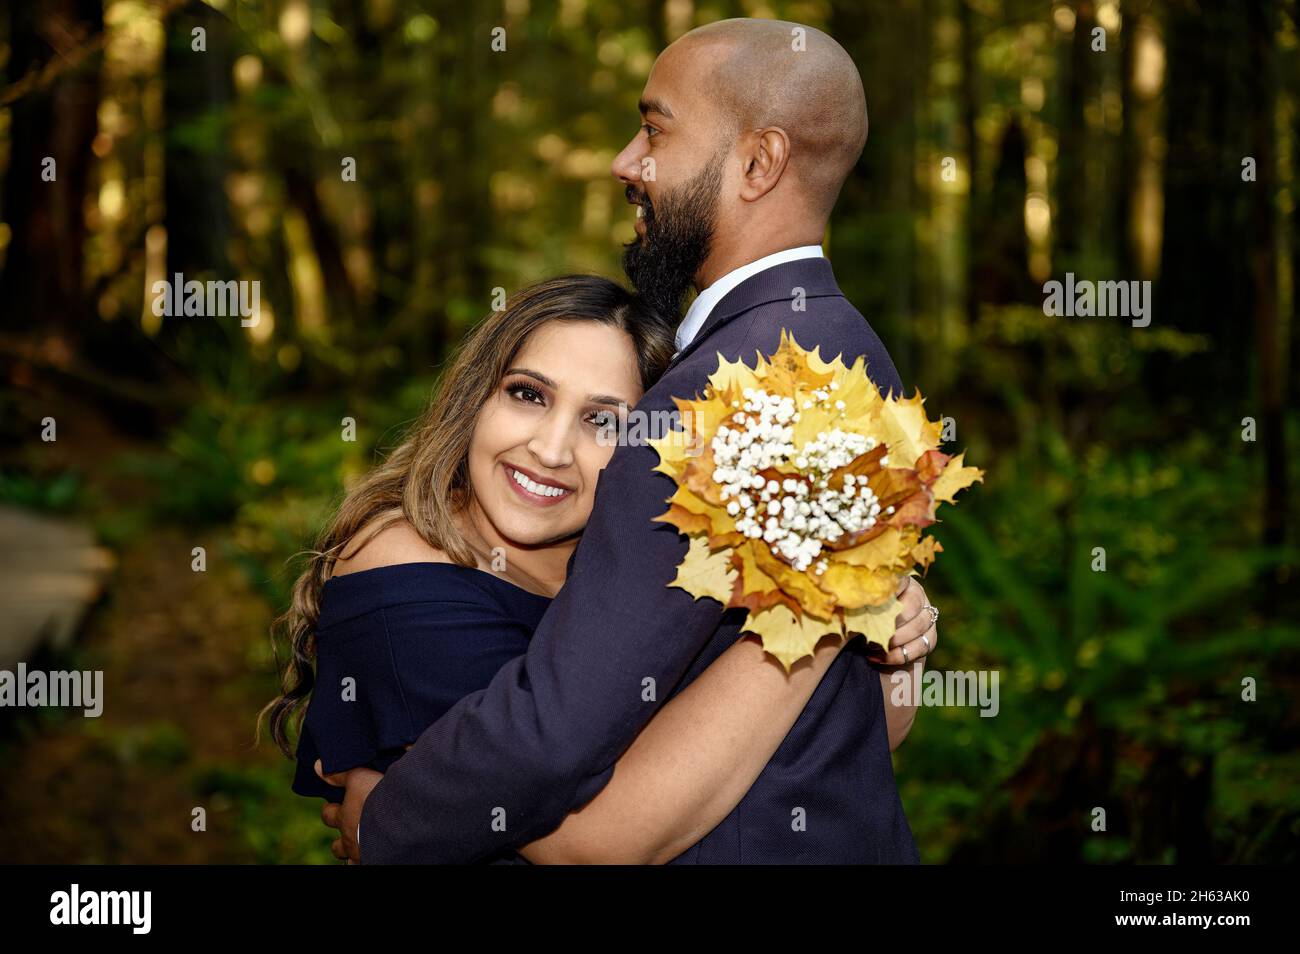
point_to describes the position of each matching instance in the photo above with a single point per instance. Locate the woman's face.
(536, 450)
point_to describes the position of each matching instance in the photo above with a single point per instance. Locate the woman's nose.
(552, 443)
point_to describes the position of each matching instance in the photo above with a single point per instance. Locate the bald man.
(749, 128)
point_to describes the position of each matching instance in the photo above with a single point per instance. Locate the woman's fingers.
(911, 598)
(339, 779)
(911, 631)
(917, 647)
(337, 849)
(911, 620)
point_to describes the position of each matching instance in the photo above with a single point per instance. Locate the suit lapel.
(778, 283)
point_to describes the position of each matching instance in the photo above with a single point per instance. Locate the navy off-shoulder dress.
(396, 647)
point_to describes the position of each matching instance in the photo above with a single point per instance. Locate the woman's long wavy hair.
(425, 480)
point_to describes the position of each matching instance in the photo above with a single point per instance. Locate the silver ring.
(927, 643)
(934, 613)
(905, 659)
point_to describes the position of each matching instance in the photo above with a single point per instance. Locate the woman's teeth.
(533, 487)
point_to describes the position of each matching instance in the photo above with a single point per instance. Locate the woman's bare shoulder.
(390, 546)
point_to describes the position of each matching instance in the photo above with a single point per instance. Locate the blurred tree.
(872, 222)
(1262, 25)
(197, 96)
(1001, 252)
(53, 96)
(1202, 289)
(1073, 197)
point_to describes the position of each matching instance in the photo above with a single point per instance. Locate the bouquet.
(804, 494)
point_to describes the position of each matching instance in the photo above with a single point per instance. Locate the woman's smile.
(533, 489)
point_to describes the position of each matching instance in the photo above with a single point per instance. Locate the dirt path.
(186, 666)
(181, 689)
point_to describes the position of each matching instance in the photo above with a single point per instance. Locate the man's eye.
(649, 130)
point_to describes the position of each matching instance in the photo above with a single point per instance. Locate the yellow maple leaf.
(924, 552)
(856, 586)
(754, 589)
(876, 623)
(787, 638)
(955, 477)
(905, 429)
(702, 573)
(758, 558)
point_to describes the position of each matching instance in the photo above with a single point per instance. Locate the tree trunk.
(1205, 284)
(198, 89)
(42, 285)
(1262, 20)
(1072, 194)
(969, 112)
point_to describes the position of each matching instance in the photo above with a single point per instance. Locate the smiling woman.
(525, 397)
(537, 446)
(431, 580)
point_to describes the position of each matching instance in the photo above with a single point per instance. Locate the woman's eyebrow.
(535, 375)
(607, 399)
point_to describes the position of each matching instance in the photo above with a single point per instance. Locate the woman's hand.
(357, 784)
(916, 630)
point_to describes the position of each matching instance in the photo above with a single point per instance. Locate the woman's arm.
(899, 718)
(693, 763)
(915, 637)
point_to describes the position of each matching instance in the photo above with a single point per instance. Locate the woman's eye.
(604, 420)
(523, 392)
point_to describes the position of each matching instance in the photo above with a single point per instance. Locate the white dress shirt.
(706, 300)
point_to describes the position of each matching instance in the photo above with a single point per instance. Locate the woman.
(439, 565)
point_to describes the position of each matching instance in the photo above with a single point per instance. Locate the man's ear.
(765, 164)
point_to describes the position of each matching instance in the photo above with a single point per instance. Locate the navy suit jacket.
(506, 764)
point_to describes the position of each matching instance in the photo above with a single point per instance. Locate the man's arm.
(506, 764)
(693, 763)
(696, 759)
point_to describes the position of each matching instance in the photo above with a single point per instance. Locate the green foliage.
(1149, 652)
(1120, 688)
(58, 493)
(274, 825)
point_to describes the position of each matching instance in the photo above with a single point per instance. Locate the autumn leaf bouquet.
(805, 494)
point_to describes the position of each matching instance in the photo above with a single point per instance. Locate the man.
(749, 130)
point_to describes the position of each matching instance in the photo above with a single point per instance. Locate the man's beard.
(662, 264)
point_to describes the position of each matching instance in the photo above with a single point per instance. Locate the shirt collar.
(705, 301)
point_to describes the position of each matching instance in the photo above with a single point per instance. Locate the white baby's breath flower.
(800, 523)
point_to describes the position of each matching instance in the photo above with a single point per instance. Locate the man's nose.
(626, 166)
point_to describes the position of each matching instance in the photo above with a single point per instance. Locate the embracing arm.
(693, 763)
(899, 716)
(698, 757)
(506, 765)
(916, 634)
